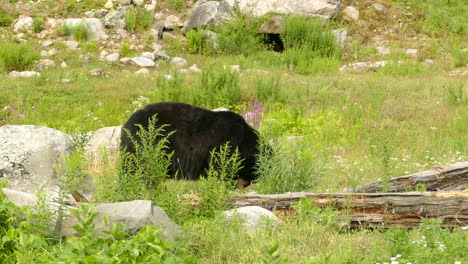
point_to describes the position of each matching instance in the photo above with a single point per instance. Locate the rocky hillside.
(371, 34)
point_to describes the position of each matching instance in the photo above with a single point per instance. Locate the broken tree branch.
(449, 178)
(376, 209)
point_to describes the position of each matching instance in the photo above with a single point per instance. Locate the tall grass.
(17, 57)
(310, 47)
(138, 18)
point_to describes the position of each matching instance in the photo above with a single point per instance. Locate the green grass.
(138, 18)
(17, 57)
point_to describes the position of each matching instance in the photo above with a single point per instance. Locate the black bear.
(197, 131)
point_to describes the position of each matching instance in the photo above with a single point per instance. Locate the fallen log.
(449, 178)
(368, 210)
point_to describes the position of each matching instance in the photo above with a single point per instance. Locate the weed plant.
(138, 18)
(6, 17)
(17, 57)
(38, 24)
(309, 45)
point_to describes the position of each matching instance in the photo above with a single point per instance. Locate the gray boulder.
(20, 198)
(143, 62)
(107, 138)
(115, 18)
(206, 12)
(272, 26)
(134, 214)
(28, 155)
(253, 217)
(319, 8)
(23, 24)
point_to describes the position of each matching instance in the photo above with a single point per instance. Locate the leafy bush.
(309, 33)
(310, 47)
(289, 169)
(138, 18)
(6, 18)
(148, 167)
(38, 24)
(195, 41)
(79, 32)
(17, 57)
(239, 36)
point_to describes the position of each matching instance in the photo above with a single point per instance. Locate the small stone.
(63, 65)
(124, 60)
(99, 72)
(47, 43)
(194, 68)
(167, 35)
(235, 68)
(109, 4)
(179, 62)
(44, 53)
(52, 52)
(138, 2)
(169, 77)
(148, 55)
(89, 13)
(103, 54)
(65, 80)
(71, 44)
(411, 51)
(379, 7)
(45, 63)
(383, 50)
(350, 13)
(160, 54)
(113, 57)
(428, 62)
(142, 72)
(24, 74)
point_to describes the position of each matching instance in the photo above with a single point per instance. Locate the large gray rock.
(253, 217)
(319, 8)
(272, 26)
(23, 24)
(143, 62)
(206, 12)
(28, 155)
(134, 214)
(107, 138)
(94, 25)
(20, 198)
(115, 18)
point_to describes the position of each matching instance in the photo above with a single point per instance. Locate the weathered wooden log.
(449, 178)
(366, 210)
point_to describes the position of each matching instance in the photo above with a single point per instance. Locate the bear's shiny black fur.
(197, 132)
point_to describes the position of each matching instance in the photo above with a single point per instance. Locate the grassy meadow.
(330, 130)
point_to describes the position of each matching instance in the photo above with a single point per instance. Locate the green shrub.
(309, 34)
(195, 41)
(294, 168)
(6, 18)
(178, 5)
(17, 57)
(38, 24)
(63, 30)
(240, 36)
(148, 167)
(79, 32)
(138, 18)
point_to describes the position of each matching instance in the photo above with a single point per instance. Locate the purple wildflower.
(254, 115)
